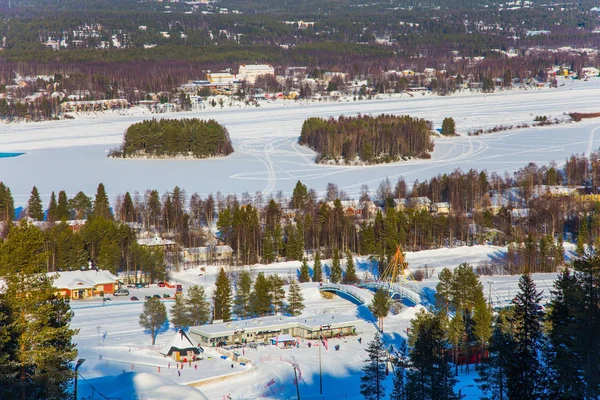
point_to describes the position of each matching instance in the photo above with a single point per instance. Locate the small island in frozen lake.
(174, 138)
(367, 140)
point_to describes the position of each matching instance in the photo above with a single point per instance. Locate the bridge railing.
(343, 289)
(406, 291)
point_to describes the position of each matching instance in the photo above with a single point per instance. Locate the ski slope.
(71, 154)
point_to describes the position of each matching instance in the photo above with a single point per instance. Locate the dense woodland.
(366, 139)
(278, 228)
(528, 351)
(465, 40)
(175, 137)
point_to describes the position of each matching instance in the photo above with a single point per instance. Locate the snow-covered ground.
(71, 154)
(120, 362)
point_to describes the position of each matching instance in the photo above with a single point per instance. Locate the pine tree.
(109, 256)
(34, 206)
(448, 127)
(128, 214)
(336, 269)
(222, 297)
(525, 370)
(81, 205)
(198, 308)
(299, 196)
(153, 316)
(401, 364)
(276, 293)
(7, 205)
(456, 331)
(482, 317)
(38, 348)
(62, 208)
(295, 299)
(442, 290)
(565, 361)
(243, 295)
(493, 379)
(101, 207)
(304, 272)
(371, 386)
(179, 313)
(317, 270)
(380, 306)
(52, 209)
(350, 275)
(430, 376)
(261, 301)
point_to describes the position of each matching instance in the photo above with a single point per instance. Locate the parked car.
(106, 299)
(157, 296)
(166, 296)
(133, 298)
(160, 284)
(139, 285)
(121, 292)
(148, 297)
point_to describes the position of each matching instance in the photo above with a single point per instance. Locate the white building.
(249, 73)
(262, 330)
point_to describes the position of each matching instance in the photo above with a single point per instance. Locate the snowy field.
(71, 154)
(120, 363)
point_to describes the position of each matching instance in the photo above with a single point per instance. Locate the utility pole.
(296, 376)
(320, 371)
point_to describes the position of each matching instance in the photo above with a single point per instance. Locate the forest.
(166, 138)
(370, 140)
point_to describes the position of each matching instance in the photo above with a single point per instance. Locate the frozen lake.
(71, 155)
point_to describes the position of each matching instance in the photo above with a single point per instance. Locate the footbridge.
(361, 296)
(398, 290)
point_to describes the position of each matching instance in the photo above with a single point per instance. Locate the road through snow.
(71, 154)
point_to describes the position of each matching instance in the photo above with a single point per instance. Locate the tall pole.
(320, 373)
(296, 376)
(79, 362)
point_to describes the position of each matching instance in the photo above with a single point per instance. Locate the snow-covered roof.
(86, 279)
(206, 249)
(275, 324)
(155, 241)
(179, 341)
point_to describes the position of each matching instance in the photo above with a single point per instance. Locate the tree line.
(175, 137)
(385, 138)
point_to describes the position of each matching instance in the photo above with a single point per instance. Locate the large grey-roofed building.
(260, 330)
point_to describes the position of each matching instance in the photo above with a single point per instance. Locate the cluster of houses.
(85, 283)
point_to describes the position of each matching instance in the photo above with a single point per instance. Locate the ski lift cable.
(96, 390)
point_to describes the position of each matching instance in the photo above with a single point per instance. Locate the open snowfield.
(71, 154)
(120, 363)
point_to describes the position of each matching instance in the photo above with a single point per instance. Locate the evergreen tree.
(268, 248)
(222, 297)
(198, 308)
(442, 290)
(261, 301)
(153, 316)
(128, 213)
(401, 364)
(350, 275)
(276, 293)
(243, 295)
(52, 209)
(101, 207)
(493, 378)
(295, 299)
(62, 208)
(179, 313)
(81, 205)
(525, 371)
(448, 127)
(317, 269)
(34, 206)
(380, 306)
(336, 269)
(371, 386)
(430, 376)
(299, 196)
(304, 272)
(36, 346)
(109, 256)
(7, 205)
(456, 331)
(482, 317)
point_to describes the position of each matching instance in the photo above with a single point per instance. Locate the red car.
(160, 284)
